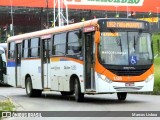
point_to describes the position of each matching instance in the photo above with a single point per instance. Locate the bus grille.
(128, 72)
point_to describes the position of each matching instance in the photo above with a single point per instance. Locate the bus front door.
(89, 62)
(18, 65)
(46, 63)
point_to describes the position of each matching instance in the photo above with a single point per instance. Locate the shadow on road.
(88, 99)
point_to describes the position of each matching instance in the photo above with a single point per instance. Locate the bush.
(157, 76)
(6, 105)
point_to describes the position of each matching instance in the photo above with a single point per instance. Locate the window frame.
(9, 51)
(53, 45)
(31, 48)
(27, 48)
(80, 45)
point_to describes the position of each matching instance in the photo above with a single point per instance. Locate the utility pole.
(11, 26)
(47, 21)
(158, 16)
(61, 16)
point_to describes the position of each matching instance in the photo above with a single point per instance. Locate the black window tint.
(25, 49)
(74, 43)
(34, 47)
(59, 44)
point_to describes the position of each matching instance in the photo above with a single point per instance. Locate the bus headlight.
(103, 77)
(149, 78)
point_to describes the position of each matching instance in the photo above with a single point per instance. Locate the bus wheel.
(122, 95)
(77, 91)
(29, 89)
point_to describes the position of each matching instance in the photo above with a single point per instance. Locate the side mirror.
(97, 37)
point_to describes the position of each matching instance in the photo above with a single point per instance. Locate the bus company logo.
(129, 68)
(56, 68)
(6, 114)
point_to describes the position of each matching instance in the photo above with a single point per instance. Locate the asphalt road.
(107, 102)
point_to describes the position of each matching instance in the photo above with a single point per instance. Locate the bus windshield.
(125, 48)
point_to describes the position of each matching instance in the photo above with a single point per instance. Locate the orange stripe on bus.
(100, 69)
(57, 59)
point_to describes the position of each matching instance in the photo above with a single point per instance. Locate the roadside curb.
(2, 97)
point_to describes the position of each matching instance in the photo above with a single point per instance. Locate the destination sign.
(125, 24)
(110, 34)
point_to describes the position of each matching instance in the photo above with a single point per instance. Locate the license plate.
(129, 84)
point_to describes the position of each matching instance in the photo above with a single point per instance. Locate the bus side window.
(35, 47)
(11, 50)
(74, 45)
(59, 44)
(25, 49)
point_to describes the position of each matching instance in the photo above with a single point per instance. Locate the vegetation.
(6, 105)
(157, 76)
(155, 37)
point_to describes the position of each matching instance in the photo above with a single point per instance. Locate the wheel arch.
(72, 82)
(27, 75)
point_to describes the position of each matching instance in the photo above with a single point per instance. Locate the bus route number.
(117, 78)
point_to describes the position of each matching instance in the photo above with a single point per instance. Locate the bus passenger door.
(46, 63)
(89, 62)
(18, 65)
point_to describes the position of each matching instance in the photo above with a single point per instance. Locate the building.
(32, 15)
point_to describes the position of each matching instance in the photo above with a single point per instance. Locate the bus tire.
(122, 95)
(79, 97)
(29, 89)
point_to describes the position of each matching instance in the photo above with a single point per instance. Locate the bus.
(3, 76)
(99, 56)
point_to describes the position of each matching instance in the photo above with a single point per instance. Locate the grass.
(157, 76)
(6, 105)
(155, 37)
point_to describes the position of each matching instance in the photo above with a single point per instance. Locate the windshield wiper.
(134, 42)
(138, 36)
(119, 42)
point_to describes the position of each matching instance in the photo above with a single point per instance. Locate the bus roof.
(19, 38)
(53, 30)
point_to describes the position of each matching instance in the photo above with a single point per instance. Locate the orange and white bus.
(98, 56)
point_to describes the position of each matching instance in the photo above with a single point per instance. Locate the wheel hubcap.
(28, 87)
